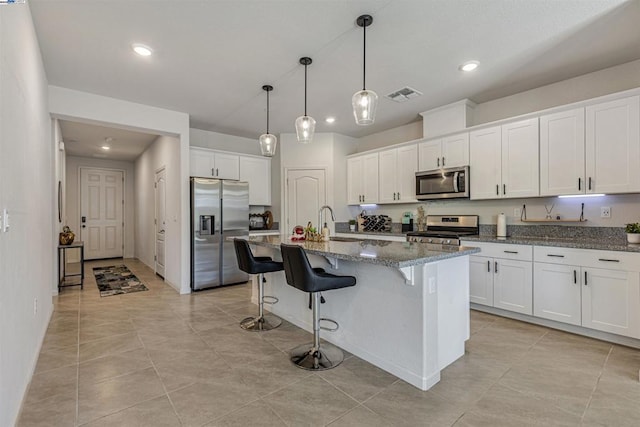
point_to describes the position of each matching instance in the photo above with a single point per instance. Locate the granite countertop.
(610, 244)
(390, 254)
(372, 233)
(263, 232)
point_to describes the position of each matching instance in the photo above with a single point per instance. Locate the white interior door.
(160, 220)
(101, 213)
(305, 195)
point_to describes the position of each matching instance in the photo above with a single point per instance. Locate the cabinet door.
(455, 150)
(556, 292)
(562, 153)
(227, 166)
(201, 163)
(481, 280)
(520, 166)
(370, 178)
(388, 176)
(485, 148)
(257, 172)
(355, 180)
(429, 154)
(611, 301)
(407, 167)
(613, 146)
(512, 285)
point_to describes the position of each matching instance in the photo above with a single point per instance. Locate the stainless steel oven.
(446, 183)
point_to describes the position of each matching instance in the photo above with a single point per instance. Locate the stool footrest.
(324, 328)
(268, 299)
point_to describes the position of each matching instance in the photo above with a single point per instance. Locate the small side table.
(62, 268)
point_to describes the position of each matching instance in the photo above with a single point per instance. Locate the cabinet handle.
(575, 277)
(497, 190)
(555, 256)
(212, 173)
(589, 183)
(488, 266)
(217, 173)
(579, 184)
(504, 189)
(443, 161)
(438, 161)
(585, 278)
(398, 195)
(510, 252)
(608, 260)
(495, 267)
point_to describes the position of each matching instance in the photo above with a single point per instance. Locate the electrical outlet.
(605, 212)
(517, 212)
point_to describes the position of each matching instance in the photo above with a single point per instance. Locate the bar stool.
(257, 265)
(301, 275)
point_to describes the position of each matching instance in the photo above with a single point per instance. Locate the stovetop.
(446, 230)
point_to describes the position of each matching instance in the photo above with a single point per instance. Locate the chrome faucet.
(333, 218)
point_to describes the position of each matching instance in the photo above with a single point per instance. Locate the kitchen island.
(408, 313)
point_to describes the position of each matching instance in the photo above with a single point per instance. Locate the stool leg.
(264, 322)
(314, 357)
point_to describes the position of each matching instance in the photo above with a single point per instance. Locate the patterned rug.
(117, 279)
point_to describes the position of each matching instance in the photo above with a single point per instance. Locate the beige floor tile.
(107, 397)
(55, 410)
(255, 413)
(106, 329)
(204, 366)
(361, 416)
(57, 340)
(358, 378)
(311, 401)
(156, 412)
(110, 345)
(57, 358)
(113, 365)
(52, 382)
(404, 405)
(609, 409)
(270, 373)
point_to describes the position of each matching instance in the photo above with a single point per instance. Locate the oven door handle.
(455, 182)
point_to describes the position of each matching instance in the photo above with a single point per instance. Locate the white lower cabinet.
(594, 289)
(503, 278)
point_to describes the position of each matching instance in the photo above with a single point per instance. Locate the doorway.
(160, 186)
(305, 192)
(101, 212)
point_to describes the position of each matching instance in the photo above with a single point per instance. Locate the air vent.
(404, 94)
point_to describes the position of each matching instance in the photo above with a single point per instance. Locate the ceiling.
(211, 58)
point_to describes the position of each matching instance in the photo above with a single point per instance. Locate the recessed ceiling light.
(330, 119)
(469, 66)
(141, 49)
(106, 147)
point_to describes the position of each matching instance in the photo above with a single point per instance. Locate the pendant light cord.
(364, 56)
(305, 89)
(268, 111)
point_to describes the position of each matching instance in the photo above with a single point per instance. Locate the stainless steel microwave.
(449, 183)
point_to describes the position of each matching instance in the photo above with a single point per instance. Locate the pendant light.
(305, 125)
(364, 102)
(268, 141)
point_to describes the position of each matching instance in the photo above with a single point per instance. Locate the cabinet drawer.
(503, 250)
(611, 260)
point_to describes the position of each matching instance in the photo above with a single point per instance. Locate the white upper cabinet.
(257, 172)
(562, 155)
(397, 168)
(504, 161)
(362, 179)
(451, 151)
(613, 146)
(520, 166)
(208, 163)
(485, 170)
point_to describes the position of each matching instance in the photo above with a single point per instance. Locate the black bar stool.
(257, 265)
(301, 275)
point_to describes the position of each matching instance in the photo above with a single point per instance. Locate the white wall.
(237, 144)
(392, 136)
(26, 191)
(162, 153)
(88, 108)
(73, 214)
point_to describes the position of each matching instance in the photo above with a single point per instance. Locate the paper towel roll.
(502, 225)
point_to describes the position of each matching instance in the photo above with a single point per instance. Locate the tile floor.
(156, 358)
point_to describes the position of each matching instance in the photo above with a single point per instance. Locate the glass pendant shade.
(268, 143)
(305, 127)
(364, 105)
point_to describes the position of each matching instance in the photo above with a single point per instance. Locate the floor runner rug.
(117, 279)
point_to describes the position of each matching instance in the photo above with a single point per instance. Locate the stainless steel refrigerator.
(219, 210)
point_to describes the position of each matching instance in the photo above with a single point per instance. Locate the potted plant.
(352, 225)
(633, 232)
